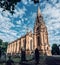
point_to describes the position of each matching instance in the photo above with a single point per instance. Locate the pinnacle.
(39, 12)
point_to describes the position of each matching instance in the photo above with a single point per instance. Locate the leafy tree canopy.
(1, 42)
(10, 4)
(3, 45)
(55, 49)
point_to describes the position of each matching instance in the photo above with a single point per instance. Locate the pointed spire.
(39, 12)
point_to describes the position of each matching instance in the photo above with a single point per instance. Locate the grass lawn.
(28, 57)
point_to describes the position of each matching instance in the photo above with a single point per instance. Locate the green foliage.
(55, 49)
(10, 4)
(0, 42)
(36, 1)
(3, 46)
(59, 48)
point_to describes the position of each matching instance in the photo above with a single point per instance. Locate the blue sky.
(14, 26)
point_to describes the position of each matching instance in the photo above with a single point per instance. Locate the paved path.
(52, 60)
(47, 61)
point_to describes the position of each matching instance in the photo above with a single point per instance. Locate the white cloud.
(52, 19)
(26, 19)
(22, 20)
(19, 12)
(6, 25)
(33, 15)
(7, 37)
(5, 22)
(53, 1)
(24, 2)
(18, 22)
(58, 5)
(51, 15)
(6, 33)
(27, 2)
(6, 13)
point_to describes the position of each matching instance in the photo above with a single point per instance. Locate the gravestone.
(3, 57)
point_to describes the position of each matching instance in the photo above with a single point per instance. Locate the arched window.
(40, 18)
(24, 42)
(19, 45)
(47, 48)
(38, 41)
(38, 29)
(31, 44)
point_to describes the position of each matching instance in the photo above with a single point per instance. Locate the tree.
(59, 48)
(5, 44)
(1, 42)
(55, 49)
(0, 47)
(36, 1)
(0, 52)
(10, 4)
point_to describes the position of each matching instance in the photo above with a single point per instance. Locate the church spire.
(38, 12)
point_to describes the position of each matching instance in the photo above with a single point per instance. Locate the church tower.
(41, 35)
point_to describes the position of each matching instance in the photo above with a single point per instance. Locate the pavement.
(52, 60)
(48, 60)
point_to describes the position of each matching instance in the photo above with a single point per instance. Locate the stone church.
(31, 41)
